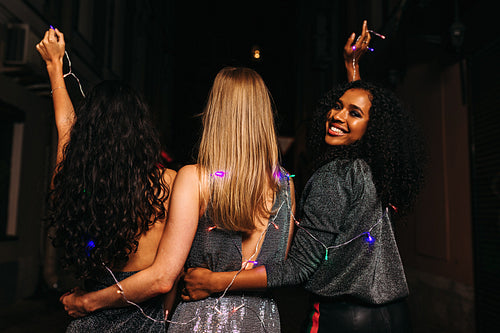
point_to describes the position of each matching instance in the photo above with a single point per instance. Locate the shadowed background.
(439, 56)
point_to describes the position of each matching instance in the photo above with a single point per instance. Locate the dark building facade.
(439, 56)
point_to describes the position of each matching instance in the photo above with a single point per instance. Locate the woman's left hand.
(74, 303)
(354, 49)
(197, 284)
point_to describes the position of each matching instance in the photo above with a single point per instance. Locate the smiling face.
(347, 121)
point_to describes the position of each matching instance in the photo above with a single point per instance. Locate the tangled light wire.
(215, 306)
(369, 48)
(73, 74)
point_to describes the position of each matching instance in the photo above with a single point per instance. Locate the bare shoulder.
(189, 171)
(189, 168)
(185, 193)
(169, 176)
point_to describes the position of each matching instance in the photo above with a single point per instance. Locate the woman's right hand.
(197, 284)
(74, 304)
(52, 47)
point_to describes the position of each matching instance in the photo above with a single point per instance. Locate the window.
(11, 138)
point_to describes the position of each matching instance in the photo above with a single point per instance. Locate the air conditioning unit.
(21, 60)
(20, 52)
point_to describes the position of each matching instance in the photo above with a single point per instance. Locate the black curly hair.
(109, 188)
(392, 145)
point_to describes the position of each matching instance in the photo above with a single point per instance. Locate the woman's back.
(129, 319)
(109, 196)
(245, 203)
(148, 242)
(246, 246)
(225, 250)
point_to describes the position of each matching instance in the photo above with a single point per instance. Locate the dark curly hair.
(109, 188)
(392, 145)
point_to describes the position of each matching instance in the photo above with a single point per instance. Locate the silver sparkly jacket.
(332, 252)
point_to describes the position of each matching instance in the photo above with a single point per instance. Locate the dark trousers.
(336, 316)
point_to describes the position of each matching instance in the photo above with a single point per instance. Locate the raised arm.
(201, 282)
(52, 48)
(354, 48)
(173, 250)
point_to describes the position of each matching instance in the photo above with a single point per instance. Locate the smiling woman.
(347, 121)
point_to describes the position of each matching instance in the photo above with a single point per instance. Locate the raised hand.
(52, 47)
(354, 49)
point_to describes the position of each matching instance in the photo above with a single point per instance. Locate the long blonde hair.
(238, 155)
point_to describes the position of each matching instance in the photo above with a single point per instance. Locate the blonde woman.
(234, 207)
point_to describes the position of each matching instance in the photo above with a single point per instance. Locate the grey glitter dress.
(127, 319)
(220, 250)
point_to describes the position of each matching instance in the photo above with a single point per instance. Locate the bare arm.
(201, 282)
(353, 50)
(170, 298)
(173, 250)
(52, 48)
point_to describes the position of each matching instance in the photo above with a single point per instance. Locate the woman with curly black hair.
(369, 165)
(109, 195)
(392, 144)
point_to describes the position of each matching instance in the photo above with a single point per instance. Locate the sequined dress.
(220, 250)
(127, 319)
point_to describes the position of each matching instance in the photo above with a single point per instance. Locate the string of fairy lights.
(366, 235)
(369, 49)
(215, 306)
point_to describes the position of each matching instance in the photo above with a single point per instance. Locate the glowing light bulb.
(166, 156)
(90, 246)
(256, 52)
(377, 34)
(369, 238)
